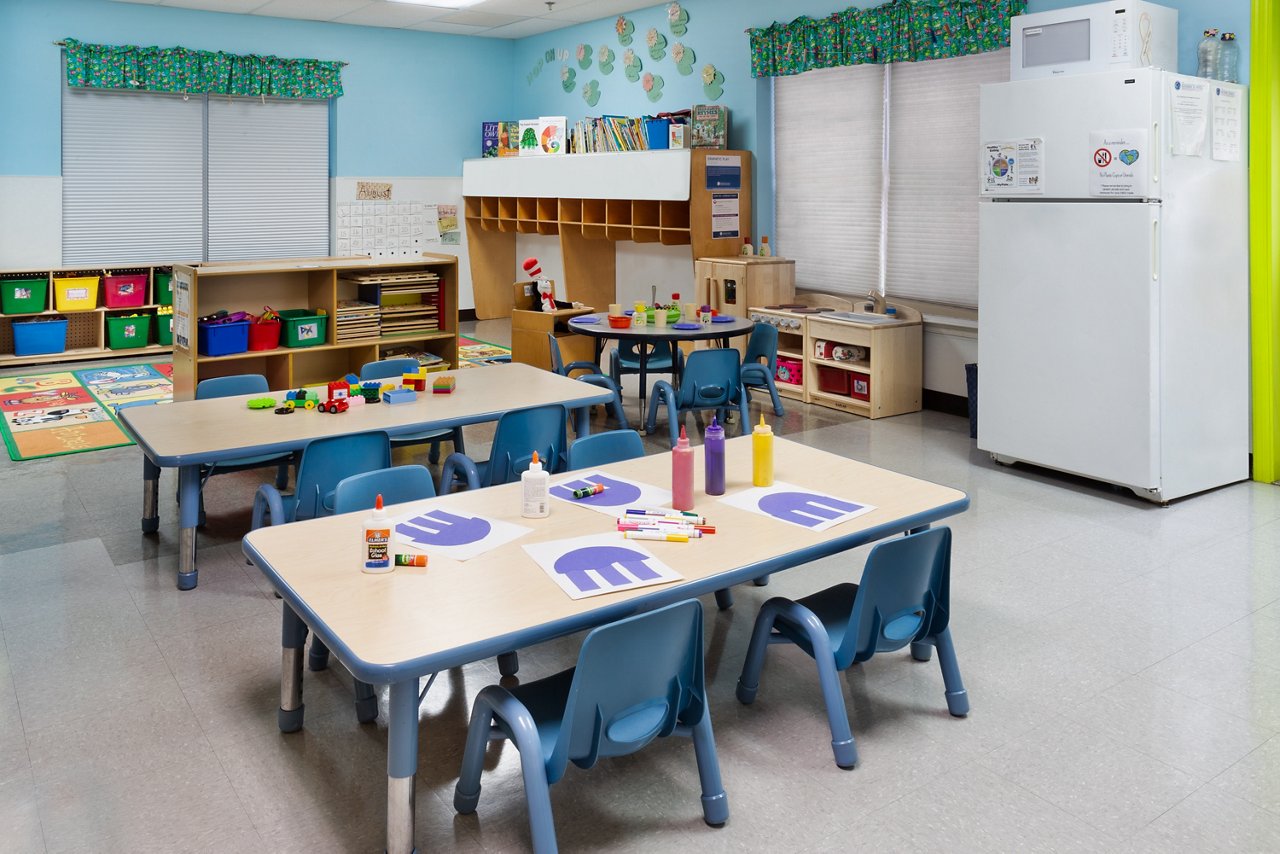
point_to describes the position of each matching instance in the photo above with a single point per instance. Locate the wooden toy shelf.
(86, 329)
(312, 283)
(591, 201)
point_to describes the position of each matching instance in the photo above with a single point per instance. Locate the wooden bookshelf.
(591, 201)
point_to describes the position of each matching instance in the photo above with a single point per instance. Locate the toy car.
(303, 397)
(334, 406)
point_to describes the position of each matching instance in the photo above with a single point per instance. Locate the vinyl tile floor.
(1122, 659)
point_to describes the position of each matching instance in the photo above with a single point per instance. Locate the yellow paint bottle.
(762, 454)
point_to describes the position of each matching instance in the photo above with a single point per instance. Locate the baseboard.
(951, 404)
(467, 315)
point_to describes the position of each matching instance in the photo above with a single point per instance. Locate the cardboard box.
(529, 329)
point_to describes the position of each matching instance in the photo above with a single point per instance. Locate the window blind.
(268, 178)
(132, 177)
(828, 127)
(933, 181)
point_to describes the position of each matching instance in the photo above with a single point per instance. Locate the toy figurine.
(546, 292)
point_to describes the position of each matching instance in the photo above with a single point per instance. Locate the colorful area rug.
(473, 353)
(68, 412)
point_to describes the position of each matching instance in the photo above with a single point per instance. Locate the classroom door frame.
(1264, 209)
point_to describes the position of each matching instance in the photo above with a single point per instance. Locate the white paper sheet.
(797, 506)
(601, 563)
(1189, 106)
(619, 494)
(454, 535)
(1119, 161)
(1227, 104)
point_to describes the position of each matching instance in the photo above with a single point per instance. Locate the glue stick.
(377, 540)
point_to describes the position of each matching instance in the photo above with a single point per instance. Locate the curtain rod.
(64, 44)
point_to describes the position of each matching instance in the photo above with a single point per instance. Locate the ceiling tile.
(526, 8)
(314, 10)
(479, 19)
(231, 6)
(391, 15)
(450, 29)
(140, 2)
(594, 10)
(521, 29)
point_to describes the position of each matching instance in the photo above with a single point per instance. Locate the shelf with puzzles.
(63, 314)
(274, 318)
(592, 201)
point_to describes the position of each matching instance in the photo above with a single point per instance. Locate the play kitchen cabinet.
(863, 363)
(732, 284)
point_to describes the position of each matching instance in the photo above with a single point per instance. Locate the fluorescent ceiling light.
(445, 4)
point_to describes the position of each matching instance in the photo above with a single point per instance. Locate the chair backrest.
(634, 679)
(327, 461)
(231, 386)
(904, 595)
(388, 368)
(712, 379)
(557, 360)
(600, 449)
(519, 433)
(659, 353)
(763, 344)
(395, 485)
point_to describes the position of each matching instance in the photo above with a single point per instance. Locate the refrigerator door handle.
(1155, 250)
(1159, 152)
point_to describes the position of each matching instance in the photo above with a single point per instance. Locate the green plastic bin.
(164, 330)
(128, 333)
(23, 296)
(303, 327)
(164, 288)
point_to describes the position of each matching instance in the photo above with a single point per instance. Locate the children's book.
(529, 146)
(551, 134)
(489, 139)
(509, 139)
(709, 126)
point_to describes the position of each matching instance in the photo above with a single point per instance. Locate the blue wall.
(413, 106)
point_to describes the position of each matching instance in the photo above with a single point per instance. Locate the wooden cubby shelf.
(591, 201)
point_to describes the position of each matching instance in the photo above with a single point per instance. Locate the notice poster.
(724, 215)
(1117, 163)
(1013, 167)
(1227, 104)
(183, 322)
(1189, 107)
(724, 172)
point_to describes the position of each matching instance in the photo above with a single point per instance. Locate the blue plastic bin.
(659, 133)
(223, 339)
(38, 337)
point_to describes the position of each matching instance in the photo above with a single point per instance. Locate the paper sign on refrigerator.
(1117, 163)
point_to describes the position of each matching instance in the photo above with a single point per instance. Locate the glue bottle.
(682, 473)
(713, 456)
(765, 251)
(534, 488)
(377, 540)
(762, 454)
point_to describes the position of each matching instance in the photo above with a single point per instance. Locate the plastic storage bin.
(128, 333)
(264, 335)
(164, 330)
(860, 386)
(790, 371)
(38, 337)
(223, 339)
(124, 291)
(658, 132)
(164, 288)
(304, 328)
(23, 296)
(76, 293)
(833, 380)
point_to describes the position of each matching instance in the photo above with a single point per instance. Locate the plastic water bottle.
(1207, 54)
(1229, 59)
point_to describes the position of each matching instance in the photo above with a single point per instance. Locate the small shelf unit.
(320, 284)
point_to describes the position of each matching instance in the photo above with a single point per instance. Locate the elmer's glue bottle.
(682, 473)
(377, 540)
(762, 454)
(534, 491)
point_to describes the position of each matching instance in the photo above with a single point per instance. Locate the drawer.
(843, 333)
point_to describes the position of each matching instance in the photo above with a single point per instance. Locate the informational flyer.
(724, 171)
(1013, 166)
(1227, 104)
(454, 535)
(618, 494)
(724, 215)
(1189, 107)
(601, 563)
(1118, 163)
(797, 506)
(183, 322)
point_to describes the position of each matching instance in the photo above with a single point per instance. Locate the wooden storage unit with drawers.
(312, 283)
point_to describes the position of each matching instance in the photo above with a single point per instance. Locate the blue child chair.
(762, 345)
(519, 433)
(395, 369)
(662, 358)
(904, 598)
(323, 464)
(601, 449)
(636, 680)
(360, 492)
(230, 387)
(712, 379)
(582, 415)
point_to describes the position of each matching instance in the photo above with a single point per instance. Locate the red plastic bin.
(264, 335)
(789, 371)
(833, 380)
(125, 291)
(860, 386)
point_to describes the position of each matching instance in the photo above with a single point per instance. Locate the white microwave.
(1097, 37)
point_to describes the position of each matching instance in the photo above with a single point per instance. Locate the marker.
(411, 560)
(691, 518)
(664, 525)
(655, 535)
(686, 531)
(594, 489)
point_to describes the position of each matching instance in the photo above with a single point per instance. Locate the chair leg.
(318, 658)
(749, 680)
(433, 452)
(762, 581)
(509, 663)
(957, 696)
(921, 650)
(366, 702)
(842, 744)
(715, 803)
(616, 406)
(675, 420)
(724, 599)
(773, 393)
(282, 477)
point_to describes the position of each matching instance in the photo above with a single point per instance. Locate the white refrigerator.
(1113, 279)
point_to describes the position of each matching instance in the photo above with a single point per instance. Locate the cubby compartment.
(618, 219)
(675, 215)
(507, 208)
(570, 210)
(646, 213)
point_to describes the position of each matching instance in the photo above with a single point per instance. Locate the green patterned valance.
(898, 31)
(179, 69)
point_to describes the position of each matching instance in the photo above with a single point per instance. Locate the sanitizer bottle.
(762, 454)
(377, 540)
(534, 489)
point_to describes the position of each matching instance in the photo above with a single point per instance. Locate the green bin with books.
(164, 288)
(128, 332)
(23, 296)
(304, 327)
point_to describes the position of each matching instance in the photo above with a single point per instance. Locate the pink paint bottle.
(682, 473)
